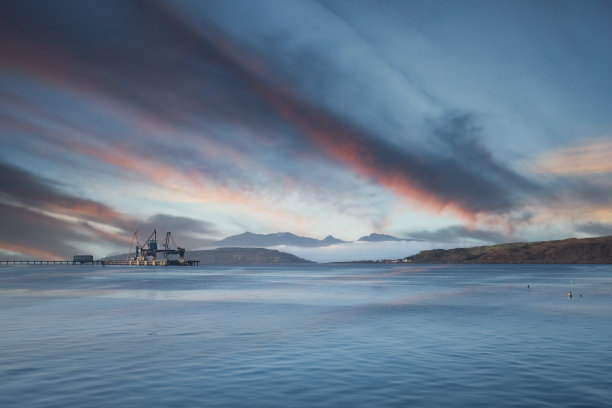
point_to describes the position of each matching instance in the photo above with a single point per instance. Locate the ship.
(150, 254)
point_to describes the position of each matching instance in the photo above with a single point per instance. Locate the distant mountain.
(567, 251)
(373, 237)
(249, 239)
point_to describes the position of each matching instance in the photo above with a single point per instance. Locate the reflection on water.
(315, 335)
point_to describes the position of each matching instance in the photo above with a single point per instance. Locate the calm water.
(306, 336)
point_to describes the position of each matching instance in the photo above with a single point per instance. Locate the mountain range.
(251, 240)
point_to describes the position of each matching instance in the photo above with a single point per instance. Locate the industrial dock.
(152, 262)
(148, 254)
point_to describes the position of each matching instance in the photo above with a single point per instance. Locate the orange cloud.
(592, 158)
(188, 185)
(89, 209)
(24, 250)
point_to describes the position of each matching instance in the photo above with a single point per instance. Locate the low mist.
(359, 251)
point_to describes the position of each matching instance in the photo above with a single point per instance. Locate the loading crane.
(150, 254)
(150, 249)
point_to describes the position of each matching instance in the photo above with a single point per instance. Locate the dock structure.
(152, 262)
(104, 262)
(150, 254)
(56, 262)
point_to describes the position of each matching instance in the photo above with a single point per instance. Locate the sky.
(444, 121)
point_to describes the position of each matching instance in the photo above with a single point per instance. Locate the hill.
(567, 251)
(235, 256)
(244, 256)
(374, 237)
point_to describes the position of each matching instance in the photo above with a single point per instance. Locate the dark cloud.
(590, 190)
(595, 229)
(192, 83)
(185, 224)
(458, 234)
(25, 188)
(188, 232)
(37, 235)
(156, 63)
(463, 174)
(481, 179)
(27, 205)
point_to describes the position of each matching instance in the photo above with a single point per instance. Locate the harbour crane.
(150, 248)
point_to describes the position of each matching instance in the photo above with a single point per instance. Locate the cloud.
(469, 181)
(595, 229)
(456, 234)
(178, 103)
(185, 224)
(188, 232)
(38, 219)
(590, 158)
(466, 178)
(27, 189)
(40, 236)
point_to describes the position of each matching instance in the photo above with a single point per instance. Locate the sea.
(354, 335)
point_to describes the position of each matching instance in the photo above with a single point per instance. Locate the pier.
(29, 262)
(151, 262)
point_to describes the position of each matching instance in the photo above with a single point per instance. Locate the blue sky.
(451, 122)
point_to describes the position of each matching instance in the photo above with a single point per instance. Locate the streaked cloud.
(19, 187)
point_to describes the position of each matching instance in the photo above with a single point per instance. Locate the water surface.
(306, 336)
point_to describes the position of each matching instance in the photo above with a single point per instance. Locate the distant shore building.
(82, 259)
